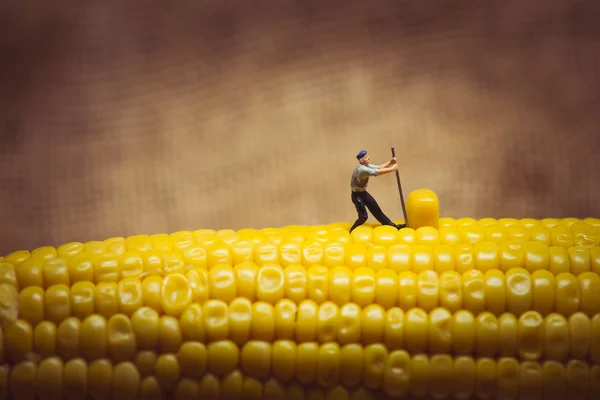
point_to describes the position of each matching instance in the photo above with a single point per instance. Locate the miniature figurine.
(361, 198)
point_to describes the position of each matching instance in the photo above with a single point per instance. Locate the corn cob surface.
(448, 308)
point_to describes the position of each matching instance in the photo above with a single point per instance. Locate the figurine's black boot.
(400, 226)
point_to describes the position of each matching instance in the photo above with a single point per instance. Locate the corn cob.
(304, 371)
(311, 312)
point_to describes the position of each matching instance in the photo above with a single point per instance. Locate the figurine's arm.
(382, 171)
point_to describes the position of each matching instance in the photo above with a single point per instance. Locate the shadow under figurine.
(361, 198)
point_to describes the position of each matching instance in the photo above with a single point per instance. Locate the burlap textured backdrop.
(126, 117)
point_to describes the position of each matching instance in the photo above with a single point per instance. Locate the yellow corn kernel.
(145, 361)
(556, 339)
(428, 290)
(270, 283)
(535, 256)
(473, 291)
(100, 375)
(240, 316)
(568, 296)
(509, 332)
(561, 235)
(49, 378)
(494, 233)
(443, 258)
(121, 338)
(464, 258)
(407, 236)
(285, 319)
(439, 331)
(385, 236)
(446, 221)
(355, 255)
(106, 299)
(595, 339)
(242, 251)
(421, 258)
(44, 339)
(30, 273)
(559, 260)
(255, 359)
(21, 381)
(131, 264)
(543, 285)
(181, 240)
(363, 286)
(294, 283)
(81, 268)
(167, 371)
(56, 272)
(396, 375)
(554, 378)
(169, 334)
(266, 252)
(362, 234)
(589, 290)
(186, 389)
(511, 255)
(450, 290)
(217, 253)
(585, 235)
(57, 303)
(151, 292)
(93, 337)
(416, 322)
(487, 334)
(462, 330)
(312, 253)
(193, 256)
(174, 262)
(290, 253)
(18, 340)
(176, 294)
(306, 362)
(373, 320)
(519, 296)
(471, 234)
(449, 235)
(531, 326)
(67, 338)
(8, 275)
(427, 235)
(327, 322)
(578, 379)
(68, 250)
(317, 278)
(130, 295)
(419, 369)
(138, 243)
(192, 359)
(262, 325)
(393, 336)
(223, 356)
(518, 233)
(125, 381)
(340, 285)
(192, 323)
(145, 324)
(375, 360)
(116, 245)
(580, 332)
(399, 258)
(31, 305)
(283, 361)
(350, 324)
(486, 255)
(386, 288)
(424, 208)
(18, 257)
(106, 268)
(579, 259)
(334, 254)
(306, 321)
(376, 257)
(495, 291)
(328, 364)
(153, 263)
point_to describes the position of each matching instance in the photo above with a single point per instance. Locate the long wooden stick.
(400, 190)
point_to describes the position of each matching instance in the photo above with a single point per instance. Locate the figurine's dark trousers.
(364, 201)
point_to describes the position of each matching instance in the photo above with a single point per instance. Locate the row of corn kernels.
(528, 336)
(314, 372)
(484, 257)
(515, 291)
(565, 235)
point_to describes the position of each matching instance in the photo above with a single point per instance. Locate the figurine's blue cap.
(361, 154)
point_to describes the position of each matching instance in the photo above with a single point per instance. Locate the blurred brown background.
(126, 117)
